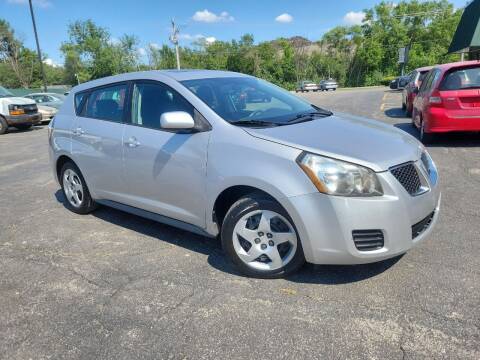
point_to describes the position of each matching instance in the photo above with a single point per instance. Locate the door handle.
(78, 131)
(132, 142)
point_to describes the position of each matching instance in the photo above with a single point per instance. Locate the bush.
(387, 79)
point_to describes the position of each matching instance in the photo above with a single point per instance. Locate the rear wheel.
(75, 190)
(260, 238)
(3, 126)
(425, 137)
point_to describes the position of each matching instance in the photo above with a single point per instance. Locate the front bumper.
(47, 116)
(26, 119)
(325, 223)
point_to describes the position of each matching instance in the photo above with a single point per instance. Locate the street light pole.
(39, 53)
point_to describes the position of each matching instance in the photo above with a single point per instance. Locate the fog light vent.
(368, 240)
(421, 226)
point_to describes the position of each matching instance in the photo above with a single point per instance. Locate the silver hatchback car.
(281, 181)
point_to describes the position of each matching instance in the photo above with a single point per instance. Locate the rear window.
(107, 103)
(463, 78)
(79, 101)
(423, 75)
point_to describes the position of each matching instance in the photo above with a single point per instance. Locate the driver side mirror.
(176, 120)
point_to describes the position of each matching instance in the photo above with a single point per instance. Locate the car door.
(97, 136)
(165, 170)
(419, 101)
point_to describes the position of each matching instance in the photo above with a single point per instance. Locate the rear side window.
(422, 76)
(463, 78)
(107, 103)
(151, 100)
(430, 80)
(79, 101)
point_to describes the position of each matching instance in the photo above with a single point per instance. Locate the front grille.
(29, 109)
(407, 175)
(422, 225)
(368, 240)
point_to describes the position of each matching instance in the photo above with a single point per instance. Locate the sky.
(213, 20)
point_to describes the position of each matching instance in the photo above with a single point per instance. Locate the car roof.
(425, 68)
(43, 93)
(457, 64)
(177, 75)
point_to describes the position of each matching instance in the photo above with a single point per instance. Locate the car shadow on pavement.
(14, 130)
(455, 139)
(341, 274)
(395, 113)
(449, 140)
(310, 274)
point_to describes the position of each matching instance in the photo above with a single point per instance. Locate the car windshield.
(464, 78)
(249, 101)
(4, 92)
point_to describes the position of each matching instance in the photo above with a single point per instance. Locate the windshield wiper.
(254, 123)
(309, 116)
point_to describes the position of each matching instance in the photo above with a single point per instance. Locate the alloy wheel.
(73, 188)
(264, 240)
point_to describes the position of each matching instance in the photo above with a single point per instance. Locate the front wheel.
(75, 190)
(260, 238)
(3, 126)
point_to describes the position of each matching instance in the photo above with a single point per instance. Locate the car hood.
(350, 138)
(17, 101)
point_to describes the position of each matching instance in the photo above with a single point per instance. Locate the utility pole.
(39, 53)
(174, 40)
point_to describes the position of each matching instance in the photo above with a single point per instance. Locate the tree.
(91, 53)
(15, 54)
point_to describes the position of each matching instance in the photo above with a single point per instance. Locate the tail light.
(435, 99)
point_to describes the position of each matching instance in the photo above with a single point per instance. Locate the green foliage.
(19, 66)
(91, 53)
(359, 55)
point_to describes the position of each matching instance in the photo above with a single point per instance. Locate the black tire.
(3, 126)
(242, 207)
(87, 204)
(426, 138)
(23, 126)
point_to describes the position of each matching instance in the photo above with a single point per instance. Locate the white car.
(306, 86)
(47, 112)
(18, 112)
(327, 85)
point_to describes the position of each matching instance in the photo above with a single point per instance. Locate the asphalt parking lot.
(115, 286)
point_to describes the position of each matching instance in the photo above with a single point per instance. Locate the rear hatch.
(460, 92)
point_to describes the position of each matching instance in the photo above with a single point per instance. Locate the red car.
(414, 82)
(448, 100)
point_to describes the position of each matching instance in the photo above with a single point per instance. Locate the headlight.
(16, 110)
(340, 178)
(429, 167)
